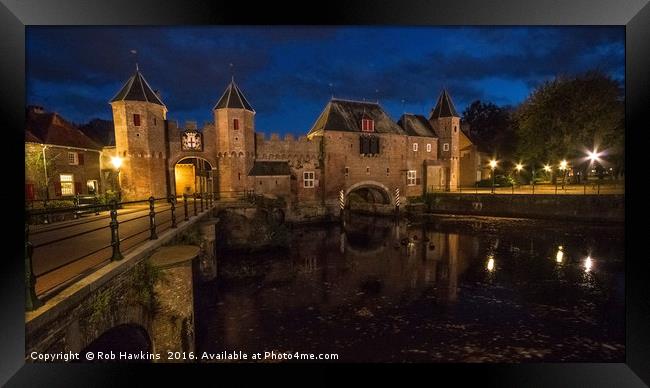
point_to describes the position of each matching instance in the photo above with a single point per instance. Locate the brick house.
(72, 159)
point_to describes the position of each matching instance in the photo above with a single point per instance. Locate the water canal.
(448, 290)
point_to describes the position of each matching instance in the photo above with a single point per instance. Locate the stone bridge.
(143, 303)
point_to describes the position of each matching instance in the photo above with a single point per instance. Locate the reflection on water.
(464, 290)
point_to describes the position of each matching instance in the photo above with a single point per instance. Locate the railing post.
(115, 233)
(31, 300)
(185, 205)
(172, 201)
(202, 194)
(75, 203)
(194, 200)
(47, 214)
(96, 203)
(152, 219)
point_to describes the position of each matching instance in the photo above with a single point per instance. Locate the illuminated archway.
(193, 174)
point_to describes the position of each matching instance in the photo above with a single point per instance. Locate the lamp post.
(563, 168)
(518, 167)
(548, 169)
(493, 166)
(47, 183)
(117, 163)
(594, 156)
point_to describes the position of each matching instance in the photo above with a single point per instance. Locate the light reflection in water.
(588, 264)
(429, 277)
(559, 256)
(490, 264)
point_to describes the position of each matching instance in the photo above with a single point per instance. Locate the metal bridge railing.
(101, 238)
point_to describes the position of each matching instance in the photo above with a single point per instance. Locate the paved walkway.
(589, 189)
(57, 262)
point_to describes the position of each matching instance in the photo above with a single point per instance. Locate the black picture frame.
(634, 14)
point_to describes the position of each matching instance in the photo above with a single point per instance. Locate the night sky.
(289, 73)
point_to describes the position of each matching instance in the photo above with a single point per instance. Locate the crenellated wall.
(286, 148)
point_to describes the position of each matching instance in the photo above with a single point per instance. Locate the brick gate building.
(353, 146)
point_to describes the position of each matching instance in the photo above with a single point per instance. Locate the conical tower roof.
(233, 98)
(444, 107)
(137, 89)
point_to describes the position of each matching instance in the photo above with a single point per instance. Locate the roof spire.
(444, 107)
(233, 97)
(137, 88)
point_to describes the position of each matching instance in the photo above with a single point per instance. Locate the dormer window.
(367, 125)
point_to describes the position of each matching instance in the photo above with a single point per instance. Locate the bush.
(108, 197)
(59, 203)
(499, 181)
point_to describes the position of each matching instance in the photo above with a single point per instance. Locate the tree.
(491, 128)
(566, 116)
(35, 168)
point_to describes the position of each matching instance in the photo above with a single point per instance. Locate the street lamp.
(518, 167)
(563, 168)
(493, 165)
(47, 183)
(116, 161)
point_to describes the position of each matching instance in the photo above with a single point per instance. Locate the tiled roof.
(416, 125)
(233, 97)
(270, 168)
(444, 107)
(50, 128)
(100, 131)
(137, 88)
(346, 115)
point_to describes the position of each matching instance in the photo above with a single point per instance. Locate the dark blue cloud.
(289, 73)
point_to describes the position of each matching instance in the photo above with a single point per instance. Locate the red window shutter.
(136, 119)
(57, 189)
(77, 187)
(29, 191)
(80, 158)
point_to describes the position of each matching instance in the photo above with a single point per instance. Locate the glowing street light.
(519, 167)
(547, 168)
(116, 161)
(563, 165)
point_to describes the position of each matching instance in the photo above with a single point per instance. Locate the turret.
(139, 118)
(234, 120)
(446, 122)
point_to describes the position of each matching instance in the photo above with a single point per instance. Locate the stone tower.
(234, 121)
(139, 118)
(446, 122)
